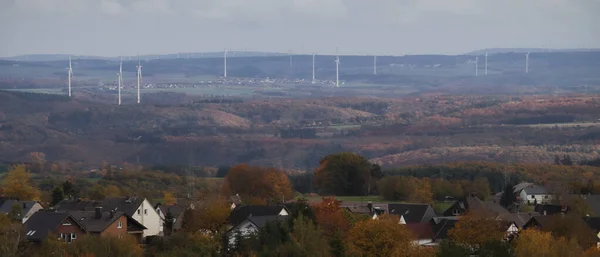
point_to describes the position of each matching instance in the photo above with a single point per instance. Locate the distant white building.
(534, 194)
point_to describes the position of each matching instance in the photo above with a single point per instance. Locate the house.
(412, 213)
(109, 223)
(534, 194)
(474, 204)
(28, 208)
(240, 213)
(251, 225)
(59, 225)
(176, 211)
(137, 208)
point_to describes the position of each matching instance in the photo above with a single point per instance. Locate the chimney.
(112, 214)
(370, 206)
(24, 206)
(98, 213)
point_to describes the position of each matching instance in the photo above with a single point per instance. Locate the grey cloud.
(374, 26)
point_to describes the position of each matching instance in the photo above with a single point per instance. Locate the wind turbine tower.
(70, 75)
(476, 66)
(139, 79)
(527, 62)
(225, 64)
(486, 55)
(375, 65)
(313, 68)
(337, 71)
(120, 78)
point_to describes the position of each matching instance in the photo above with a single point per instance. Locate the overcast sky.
(125, 27)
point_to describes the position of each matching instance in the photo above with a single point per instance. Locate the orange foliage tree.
(257, 182)
(330, 217)
(382, 237)
(475, 230)
(532, 242)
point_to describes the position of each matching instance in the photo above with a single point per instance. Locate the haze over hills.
(530, 50)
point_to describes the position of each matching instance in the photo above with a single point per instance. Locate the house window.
(532, 196)
(73, 236)
(66, 223)
(145, 211)
(60, 236)
(119, 224)
(455, 212)
(139, 212)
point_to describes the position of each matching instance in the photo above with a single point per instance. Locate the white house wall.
(35, 208)
(530, 199)
(245, 228)
(151, 220)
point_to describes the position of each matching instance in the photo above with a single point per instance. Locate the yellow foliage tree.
(257, 182)
(475, 230)
(209, 215)
(18, 185)
(382, 237)
(112, 191)
(532, 242)
(168, 198)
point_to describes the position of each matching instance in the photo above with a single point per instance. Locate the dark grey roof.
(520, 219)
(593, 202)
(43, 222)
(176, 210)
(76, 205)
(535, 190)
(7, 206)
(521, 186)
(240, 213)
(412, 213)
(261, 221)
(442, 226)
(93, 224)
(550, 209)
(128, 205)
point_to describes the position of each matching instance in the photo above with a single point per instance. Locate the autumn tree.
(168, 198)
(208, 215)
(17, 185)
(57, 195)
(334, 223)
(416, 190)
(343, 174)
(532, 242)
(257, 182)
(11, 235)
(382, 237)
(508, 196)
(69, 189)
(38, 159)
(479, 186)
(475, 230)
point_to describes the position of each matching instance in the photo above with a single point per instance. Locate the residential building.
(251, 225)
(412, 213)
(176, 211)
(241, 213)
(28, 208)
(137, 208)
(109, 223)
(61, 225)
(518, 219)
(534, 194)
(551, 209)
(472, 203)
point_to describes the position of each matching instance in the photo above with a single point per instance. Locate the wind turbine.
(70, 75)
(375, 65)
(486, 55)
(313, 68)
(225, 64)
(337, 70)
(139, 79)
(527, 62)
(476, 66)
(120, 78)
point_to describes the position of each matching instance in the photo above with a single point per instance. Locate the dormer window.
(66, 223)
(119, 224)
